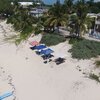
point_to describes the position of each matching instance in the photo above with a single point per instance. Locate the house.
(25, 3)
(38, 11)
(97, 23)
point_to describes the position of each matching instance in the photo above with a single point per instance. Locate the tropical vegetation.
(85, 49)
(97, 63)
(5, 8)
(54, 39)
(94, 77)
(21, 21)
(79, 21)
(56, 16)
(72, 15)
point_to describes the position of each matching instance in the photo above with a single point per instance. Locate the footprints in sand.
(78, 86)
(4, 76)
(83, 71)
(3, 30)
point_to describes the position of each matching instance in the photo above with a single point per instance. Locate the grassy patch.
(85, 49)
(75, 40)
(94, 77)
(97, 63)
(52, 39)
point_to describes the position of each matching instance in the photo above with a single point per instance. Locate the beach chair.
(5, 95)
(47, 56)
(59, 60)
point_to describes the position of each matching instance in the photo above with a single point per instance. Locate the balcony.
(97, 22)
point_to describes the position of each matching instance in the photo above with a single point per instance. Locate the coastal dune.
(34, 80)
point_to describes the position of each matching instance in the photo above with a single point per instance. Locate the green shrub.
(97, 63)
(94, 77)
(74, 40)
(37, 31)
(52, 39)
(26, 32)
(85, 49)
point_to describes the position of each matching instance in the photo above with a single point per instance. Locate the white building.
(96, 31)
(97, 23)
(37, 12)
(25, 3)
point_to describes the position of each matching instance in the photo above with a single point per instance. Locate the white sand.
(35, 80)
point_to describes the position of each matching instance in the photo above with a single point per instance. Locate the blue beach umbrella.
(47, 51)
(40, 47)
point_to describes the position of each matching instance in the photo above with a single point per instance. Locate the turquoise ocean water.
(53, 1)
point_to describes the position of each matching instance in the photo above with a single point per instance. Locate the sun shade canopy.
(47, 51)
(40, 47)
(34, 43)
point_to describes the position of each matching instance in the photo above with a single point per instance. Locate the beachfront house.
(95, 29)
(97, 24)
(25, 4)
(37, 12)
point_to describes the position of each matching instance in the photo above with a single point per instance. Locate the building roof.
(26, 3)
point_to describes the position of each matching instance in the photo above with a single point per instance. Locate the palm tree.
(80, 22)
(22, 22)
(5, 8)
(56, 16)
(69, 6)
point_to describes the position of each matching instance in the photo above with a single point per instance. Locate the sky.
(53, 1)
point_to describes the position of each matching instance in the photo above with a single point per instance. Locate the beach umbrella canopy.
(47, 51)
(34, 43)
(40, 47)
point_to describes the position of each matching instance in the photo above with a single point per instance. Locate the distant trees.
(94, 7)
(5, 8)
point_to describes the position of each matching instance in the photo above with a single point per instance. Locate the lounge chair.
(47, 56)
(46, 61)
(59, 60)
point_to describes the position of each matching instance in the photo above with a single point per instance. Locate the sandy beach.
(34, 80)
